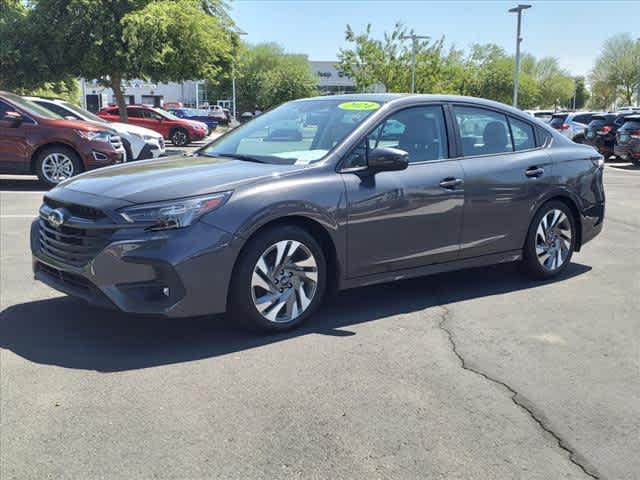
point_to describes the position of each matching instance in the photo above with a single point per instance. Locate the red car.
(34, 140)
(180, 131)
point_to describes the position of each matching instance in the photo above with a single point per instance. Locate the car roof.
(410, 98)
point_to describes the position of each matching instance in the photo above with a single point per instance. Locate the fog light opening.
(166, 292)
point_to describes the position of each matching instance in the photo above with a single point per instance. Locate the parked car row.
(615, 134)
(181, 131)
(139, 143)
(611, 133)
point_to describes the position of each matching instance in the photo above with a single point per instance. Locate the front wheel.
(56, 164)
(180, 137)
(279, 281)
(550, 241)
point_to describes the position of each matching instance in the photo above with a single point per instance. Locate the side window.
(135, 112)
(64, 113)
(419, 131)
(482, 132)
(4, 108)
(523, 136)
(544, 137)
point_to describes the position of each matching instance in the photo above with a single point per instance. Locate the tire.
(57, 163)
(536, 258)
(289, 304)
(180, 137)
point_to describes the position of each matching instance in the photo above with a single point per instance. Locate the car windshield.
(165, 114)
(85, 114)
(31, 107)
(299, 132)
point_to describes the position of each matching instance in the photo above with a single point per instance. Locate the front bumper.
(173, 273)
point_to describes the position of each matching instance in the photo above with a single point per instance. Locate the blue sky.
(572, 31)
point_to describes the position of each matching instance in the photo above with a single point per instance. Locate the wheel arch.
(572, 205)
(313, 227)
(37, 151)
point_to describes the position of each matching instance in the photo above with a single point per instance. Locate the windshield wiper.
(238, 156)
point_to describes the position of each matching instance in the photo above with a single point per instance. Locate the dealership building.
(191, 93)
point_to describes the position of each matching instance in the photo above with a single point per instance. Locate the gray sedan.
(318, 194)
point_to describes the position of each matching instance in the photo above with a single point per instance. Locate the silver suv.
(572, 124)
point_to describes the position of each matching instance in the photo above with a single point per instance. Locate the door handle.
(450, 183)
(534, 172)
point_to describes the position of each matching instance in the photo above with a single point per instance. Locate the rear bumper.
(628, 152)
(176, 273)
(592, 222)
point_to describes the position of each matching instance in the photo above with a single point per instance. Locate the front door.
(505, 172)
(410, 218)
(14, 147)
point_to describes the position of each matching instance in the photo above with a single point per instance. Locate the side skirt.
(482, 261)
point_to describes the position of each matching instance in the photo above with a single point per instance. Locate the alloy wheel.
(553, 239)
(284, 281)
(179, 138)
(57, 167)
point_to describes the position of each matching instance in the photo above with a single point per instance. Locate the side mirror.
(12, 118)
(385, 159)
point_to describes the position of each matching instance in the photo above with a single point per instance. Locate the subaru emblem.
(55, 218)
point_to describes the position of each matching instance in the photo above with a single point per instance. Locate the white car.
(544, 115)
(139, 143)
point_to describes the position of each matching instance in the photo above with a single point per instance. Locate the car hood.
(127, 128)
(77, 124)
(195, 123)
(172, 177)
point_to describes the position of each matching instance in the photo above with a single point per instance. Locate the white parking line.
(18, 216)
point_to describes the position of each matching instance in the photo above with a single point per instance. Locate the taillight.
(564, 126)
(605, 129)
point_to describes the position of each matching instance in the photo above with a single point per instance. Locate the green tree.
(388, 62)
(117, 40)
(618, 65)
(581, 93)
(267, 76)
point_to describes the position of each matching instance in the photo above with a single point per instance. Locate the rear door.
(410, 218)
(505, 172)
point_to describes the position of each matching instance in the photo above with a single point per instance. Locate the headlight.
(99, 136)
(173, 213)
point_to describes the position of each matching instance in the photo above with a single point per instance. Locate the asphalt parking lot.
(480, 374)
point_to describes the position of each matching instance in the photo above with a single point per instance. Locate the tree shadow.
(66, 332)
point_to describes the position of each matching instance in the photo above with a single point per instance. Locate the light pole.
(516, 76)
(414, 46)
(233, 80)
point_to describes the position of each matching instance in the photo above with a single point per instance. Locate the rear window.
(631, 124)
(557, 120)
(599, 120)
(583, 118)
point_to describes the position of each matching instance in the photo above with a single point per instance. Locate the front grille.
(70, 245)
(76, 281)
(81, 211)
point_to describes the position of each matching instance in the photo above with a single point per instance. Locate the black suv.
(628, 139)
(601, 131)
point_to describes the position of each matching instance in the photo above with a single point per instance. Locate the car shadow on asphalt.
(22, 185)
(66, 332)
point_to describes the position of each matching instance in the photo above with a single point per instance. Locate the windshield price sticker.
(359, 106)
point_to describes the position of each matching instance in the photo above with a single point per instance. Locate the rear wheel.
(56, 164)
(180, 137)
(279, 281)
(550, 241)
